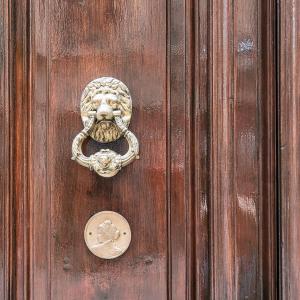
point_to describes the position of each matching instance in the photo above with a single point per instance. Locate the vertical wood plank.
(199, 146)
(188, 137)
(40, 195)
(14, 89)
(247, 149)
(177, 135)
(87, 40)
(289, 84)
(5, 139)
(269, 147)
(243, 155)
(222, 201)
(19, 143)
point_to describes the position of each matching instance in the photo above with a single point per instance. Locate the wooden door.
(213, 200)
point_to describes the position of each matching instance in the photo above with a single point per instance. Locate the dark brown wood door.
(213, 201)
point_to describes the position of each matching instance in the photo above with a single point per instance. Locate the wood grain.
(242, 147)
(199, 146)
(289, 79)
(16, 109)
(201, 201)
(81, 46)
(5, 203)
(179, 156)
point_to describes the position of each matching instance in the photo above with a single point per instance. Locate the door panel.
(202, 200)
(86, 40)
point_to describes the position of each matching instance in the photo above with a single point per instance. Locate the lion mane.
(107, 131)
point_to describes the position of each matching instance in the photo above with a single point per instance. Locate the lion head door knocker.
(106, 109)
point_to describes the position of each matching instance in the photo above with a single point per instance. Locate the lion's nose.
(104, 112)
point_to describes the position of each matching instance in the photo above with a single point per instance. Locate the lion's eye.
(96, 103)
(113, 103)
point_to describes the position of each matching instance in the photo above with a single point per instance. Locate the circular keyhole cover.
(107, 234)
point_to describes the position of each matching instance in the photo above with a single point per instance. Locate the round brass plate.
(107, 234)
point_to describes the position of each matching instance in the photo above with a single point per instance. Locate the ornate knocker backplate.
(106, 109)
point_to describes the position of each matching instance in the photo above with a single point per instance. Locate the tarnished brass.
(105, 111)
(107, 234)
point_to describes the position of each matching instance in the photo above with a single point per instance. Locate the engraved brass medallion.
(107, 234)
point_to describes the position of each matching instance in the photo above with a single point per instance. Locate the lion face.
(104, 96)
(106, 162)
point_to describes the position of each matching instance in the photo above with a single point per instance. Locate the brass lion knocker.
(106, 109)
